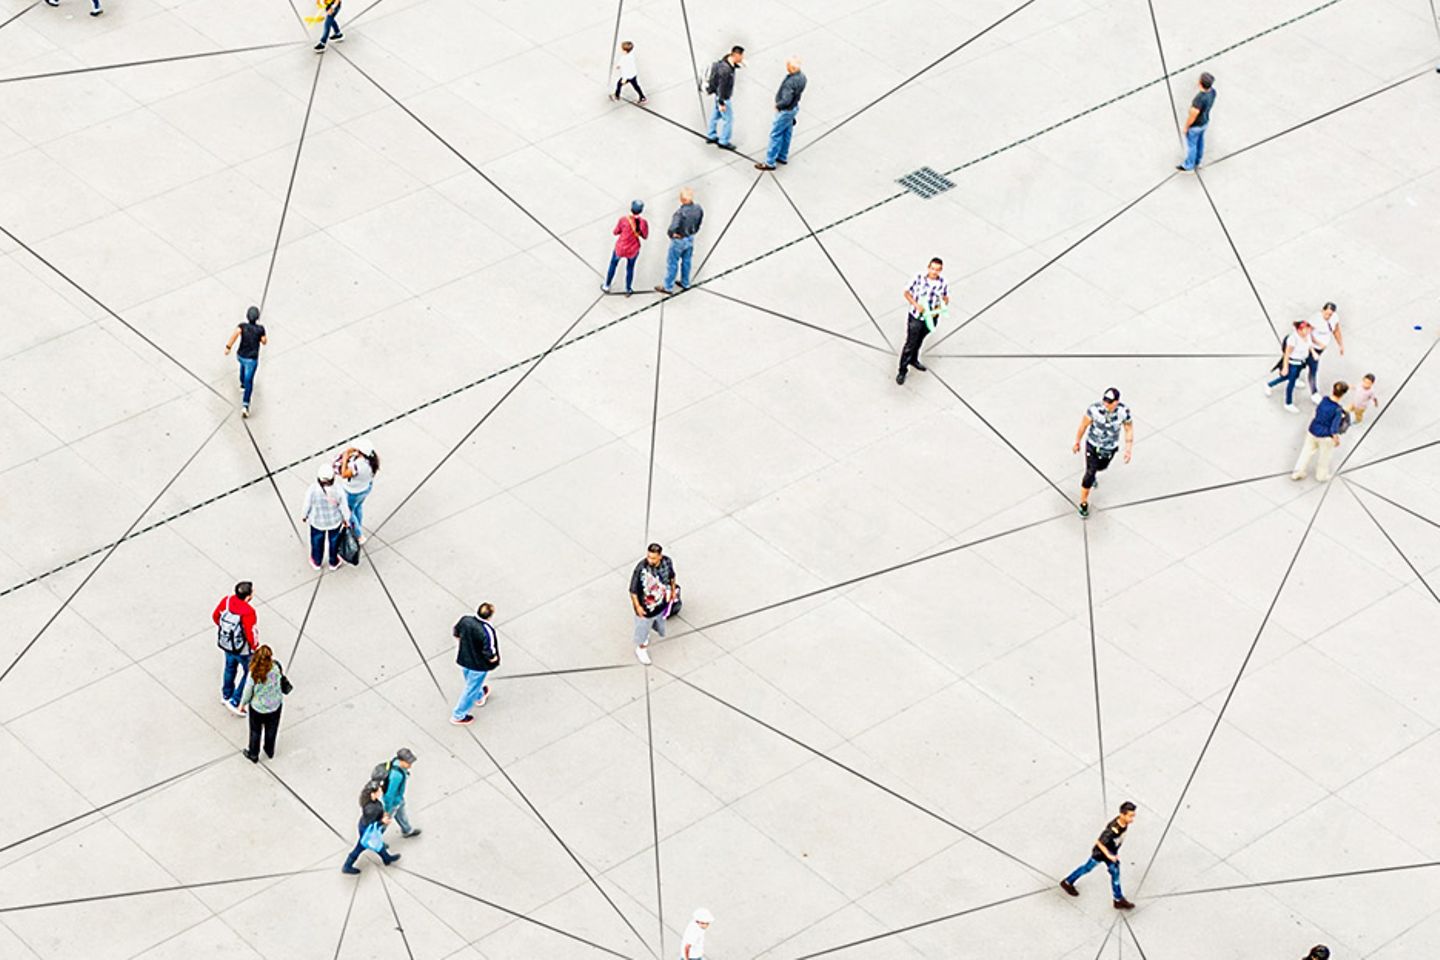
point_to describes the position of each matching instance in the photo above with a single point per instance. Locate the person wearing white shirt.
(1322, 329)
(692, 947)
(1294, 357)
(627, 70)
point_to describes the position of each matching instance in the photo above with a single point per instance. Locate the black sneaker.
(727, 146)
(783, 162)
(1069, 888)
(1084, 511)
(1123, 904)
(393, 858)
(919, 366)
(319, 47)
(711, 140)
(353, 871)
(412, 833)
(900, 377)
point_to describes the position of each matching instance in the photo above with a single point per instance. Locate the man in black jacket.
(787, 104)
(721, 84)
(479, 654)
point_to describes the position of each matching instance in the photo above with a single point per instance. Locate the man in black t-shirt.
(652, 591)
(1106, 851)
(1197, 121)
(479, 654)
(251, 335)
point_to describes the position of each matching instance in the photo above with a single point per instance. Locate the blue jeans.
(780, 132)
(230, 686)
(360, 848)
(1091, 864)
(615, 259)
(357, 508)
(1289, 378)
(722, 122)
(1194, 147)
(331, 27)
(681, 251)
(474, 690)
(317, 546)
(401, 819)
(247, 377)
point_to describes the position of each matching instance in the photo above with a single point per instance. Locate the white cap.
(326, 472)
(704, 916)
(366, 446)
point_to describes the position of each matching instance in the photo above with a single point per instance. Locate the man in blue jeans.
(332, 25)
(787, 104)
(721, 85)
(1197, 121)
(479, 654)
(251, 336)
(683, 227)
(1106, 851)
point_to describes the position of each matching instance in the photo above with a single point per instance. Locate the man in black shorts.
(251, 335)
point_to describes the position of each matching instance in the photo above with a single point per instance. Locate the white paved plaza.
(909, 684)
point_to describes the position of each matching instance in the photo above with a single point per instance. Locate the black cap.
(1319, 952)
(1112, 395)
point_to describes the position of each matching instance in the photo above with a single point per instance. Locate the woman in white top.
(1294, 357)
(627, 70)
(358, 466)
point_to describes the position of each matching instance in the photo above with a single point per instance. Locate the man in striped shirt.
(929, 299)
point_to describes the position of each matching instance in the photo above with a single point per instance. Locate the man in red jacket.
(630, 229)
(237, 636)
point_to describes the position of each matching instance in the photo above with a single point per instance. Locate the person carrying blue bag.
(373, 820)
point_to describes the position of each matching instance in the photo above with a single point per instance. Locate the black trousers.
(269, 725)
(634, 82)
(915, 334)
(1095, 461)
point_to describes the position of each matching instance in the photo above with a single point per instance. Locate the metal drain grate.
(926, 182)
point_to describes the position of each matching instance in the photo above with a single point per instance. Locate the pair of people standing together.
(720, 84)
(329, 511)
(1301, 350)
(259, 692)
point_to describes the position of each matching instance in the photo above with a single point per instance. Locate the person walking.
(692, 945)
(1196, 122)
(787, 105)
(929, 298)
(683, 227)
(332, 25)
(358, 466)
(479, 654)
(652, 592)
(1106, 851)
(629, 230)
(1323, 329)
(327, 514)
(721, 85)
(237, 636)
(95, 9)
(1323, 437)
(373, 821)
(1318, 952)
(264, 696)
(1294, 357)
(1362, 398)
(627, 70)
(1100, 430)
(251, 336)
(396, 778)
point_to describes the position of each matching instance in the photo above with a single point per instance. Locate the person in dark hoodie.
(372, 814)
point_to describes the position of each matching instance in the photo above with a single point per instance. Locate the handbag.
(373, 838)
(285, 685)
(347, 546)
(673, 609)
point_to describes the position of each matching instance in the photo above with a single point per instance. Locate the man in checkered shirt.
(929, 299)
(1100, 431)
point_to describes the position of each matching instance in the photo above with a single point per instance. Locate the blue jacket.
(1327, 419)
(395, 786)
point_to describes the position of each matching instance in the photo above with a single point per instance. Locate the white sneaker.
(1269, 390)
(604, 288)
(642, 655)
(1314, 398)
(1292, 408)
(238, 711)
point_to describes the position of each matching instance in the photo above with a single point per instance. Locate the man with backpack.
(721, 85)
(1330, 422)
(235, 635)
(393, 776)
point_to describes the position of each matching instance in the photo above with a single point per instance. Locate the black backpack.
(1344, 422)
(381, 774)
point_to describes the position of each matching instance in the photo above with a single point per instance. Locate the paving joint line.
(290, 186)
(143, 63)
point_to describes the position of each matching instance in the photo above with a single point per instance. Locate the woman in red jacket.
(630, 229)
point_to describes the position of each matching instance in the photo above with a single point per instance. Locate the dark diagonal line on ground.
(290, 187)
(923, 923)
(305, 620)
(694, 64)
(1386, 534)
(654, 423)
(564, 671)
(1165, 71)
(1230, 694)
(1095, 670)
(1393, 503)
(796, 320)
(615, 41)
(654, 814)
(16, 16)
(1133, 939)
(1194, 490)
(888, 791)
(841, 273)
(1379, 460)
(513, 913)
(363, 12)
(1341, 875)
(345, 925)
(534, 365)
(1097, 356)
(916, 75)
(1109, 932)
(302, 801)
(115, 546)
(1389, 406)
(404, 624)
(270, 475)
(145, 63)
(473, 167)
(726, 229)
(1052, 261)
(95, 898)
(399, 927)
(1254, 290)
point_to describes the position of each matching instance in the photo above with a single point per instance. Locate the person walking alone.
(1106, 851)
(929, 298)
(373, 821)
(1100, 431)
(627, 70)
(1294, 358)
(327, 514)
(251, 336)
(629, 230)
(683, 227)
(264, 696)
(478, 655)
(787, 105)
(358, 466)
(721, 85)
(237, 636)
(1323, 436)
(1196, 123)
(396, 779)
(1323, 329)
(652, 592)
(692, 944)
(332, 25)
